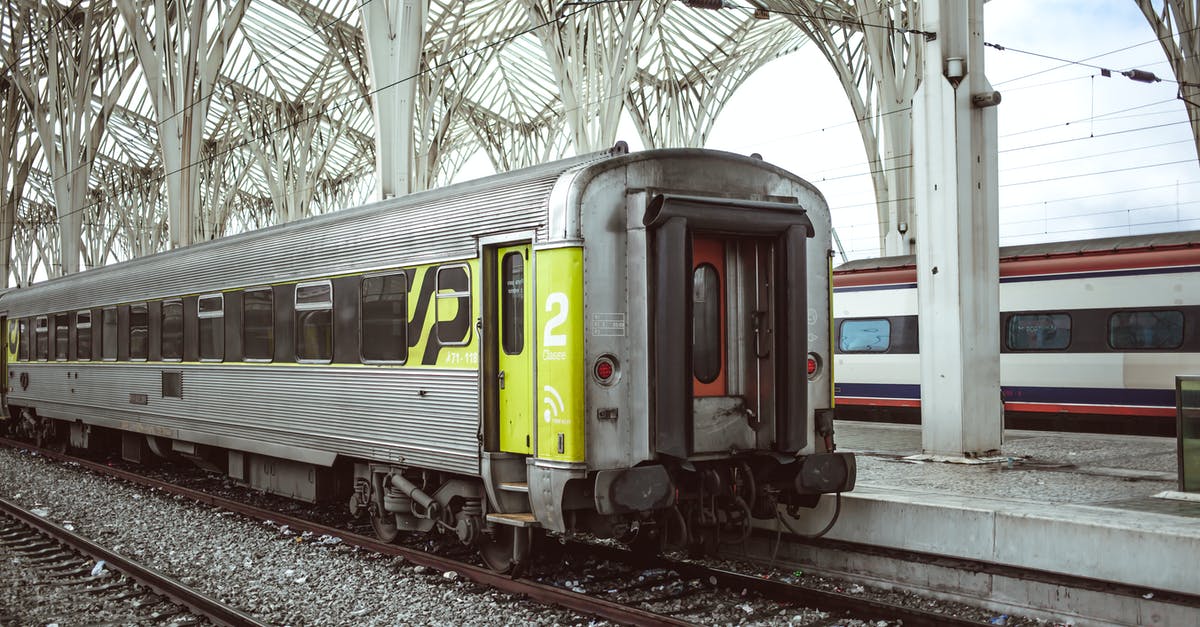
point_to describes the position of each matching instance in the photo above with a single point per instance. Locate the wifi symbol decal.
(553, 402)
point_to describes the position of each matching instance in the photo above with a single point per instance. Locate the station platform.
(1080, 505)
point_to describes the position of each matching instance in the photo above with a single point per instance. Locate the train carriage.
(612, 342)
(1093, 333)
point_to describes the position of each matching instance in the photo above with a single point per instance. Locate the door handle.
(757, 320)
(500, 377)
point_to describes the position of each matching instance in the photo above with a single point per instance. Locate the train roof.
(1125, 243)
(421, 228)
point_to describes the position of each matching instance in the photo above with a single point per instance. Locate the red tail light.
(605, 370)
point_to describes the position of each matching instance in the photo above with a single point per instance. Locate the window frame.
(66, 341)
(116, 334)
(79, 326)
(41, 326)
(715, 343)
(1108, 331)
(362, 318)
(146, 308)
(201, 316)
(271, 336)
(23, 339)
(859, 351)
(438, 296)
(298, 308)
(505, 313)
(1011, 316)
(162, 329)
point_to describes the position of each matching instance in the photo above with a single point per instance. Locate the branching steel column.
(181, 59)
(679, 107)
(78, 64)
(1176, 26)
(18, 148)
(395, 34)
(593, 53)
(958, 251)
(878, 66)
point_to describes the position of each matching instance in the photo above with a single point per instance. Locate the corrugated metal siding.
(429, 226)
(376, 413)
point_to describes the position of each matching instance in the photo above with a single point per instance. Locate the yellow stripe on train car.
(560, 367)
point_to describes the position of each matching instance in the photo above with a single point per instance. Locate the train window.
(23, 340)
(1134, 330)
(453, 305)
(139, 332)
(210, 314)
(61, 336)
(258, 324)
(41, 332)
(314, 322)
(83, 335)
(1038, 332)
(108, 335)
(384, 318)
(171, 331)
(865, 336)
(512, 303)
(706, 323)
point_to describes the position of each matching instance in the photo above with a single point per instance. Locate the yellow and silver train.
(610, 344)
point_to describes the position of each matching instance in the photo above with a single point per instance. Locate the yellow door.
(515, 361)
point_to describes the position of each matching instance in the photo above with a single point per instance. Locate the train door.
(514, 348)
(728, 285)
(732, 333)
(10, 342)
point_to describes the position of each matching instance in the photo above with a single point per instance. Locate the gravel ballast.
(274, 574)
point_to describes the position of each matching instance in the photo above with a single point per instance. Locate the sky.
(1081, 155)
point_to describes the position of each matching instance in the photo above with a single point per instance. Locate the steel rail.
(550, 595)
(194, 600)
(834, 602)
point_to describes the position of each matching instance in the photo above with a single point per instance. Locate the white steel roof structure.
(130, 126)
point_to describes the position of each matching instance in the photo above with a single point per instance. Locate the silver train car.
(629, 345)
(1092, 333)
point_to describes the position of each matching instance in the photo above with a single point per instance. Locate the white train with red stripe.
(1092, 332)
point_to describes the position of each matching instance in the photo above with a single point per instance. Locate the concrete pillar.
(394, 32)
(954, 147)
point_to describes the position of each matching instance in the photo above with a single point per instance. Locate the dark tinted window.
(1038, 332)
(61, 330)
(865, 336)
(83, 335)
(512, 303)
(139, 332)
(706, 323)
(42, 339)
(23, 341)
(314, 321)
(384, 318)
(1132, 330)
(210, 313)
(172, 330)
(453, 305)
(108, 339)
(258, 325)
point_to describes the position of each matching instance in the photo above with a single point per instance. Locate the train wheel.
(507, 550)
(384, 525)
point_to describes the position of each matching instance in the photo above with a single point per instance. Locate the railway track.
(625, 587)
(68, 577)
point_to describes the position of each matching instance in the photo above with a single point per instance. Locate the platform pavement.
(1075, 504)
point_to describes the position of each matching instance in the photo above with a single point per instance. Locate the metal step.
(522, 519)
(515, 486)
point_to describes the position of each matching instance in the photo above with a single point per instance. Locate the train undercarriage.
(695, 505)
